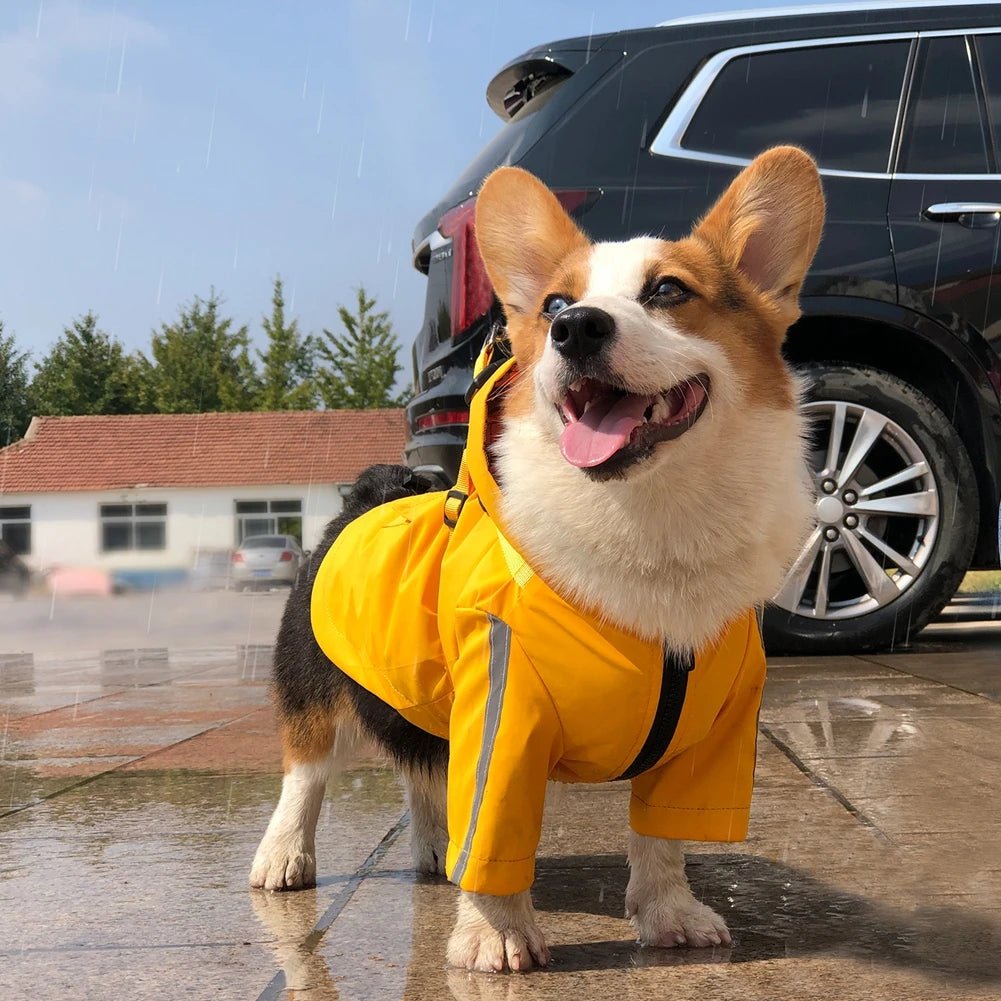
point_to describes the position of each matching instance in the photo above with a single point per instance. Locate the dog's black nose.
(581, 331)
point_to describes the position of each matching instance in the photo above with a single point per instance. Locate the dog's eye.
(668, 292)
(554, 304)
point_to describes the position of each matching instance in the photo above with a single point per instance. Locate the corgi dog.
(580, 607)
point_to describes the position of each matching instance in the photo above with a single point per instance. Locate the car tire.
(938, 556)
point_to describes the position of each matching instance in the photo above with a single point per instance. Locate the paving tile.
(872, 868)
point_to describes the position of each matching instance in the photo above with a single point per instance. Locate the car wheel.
(897, 516)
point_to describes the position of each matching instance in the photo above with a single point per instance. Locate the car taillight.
(471, 289)
(441, 418)
(237, 557)
(472, 292)
(286, 556)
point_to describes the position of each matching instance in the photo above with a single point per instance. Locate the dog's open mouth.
(601, 421)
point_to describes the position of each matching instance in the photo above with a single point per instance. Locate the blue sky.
(154, 150)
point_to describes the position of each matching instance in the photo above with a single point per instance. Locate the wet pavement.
(135, 784)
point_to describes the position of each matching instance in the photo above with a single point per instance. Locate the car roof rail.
(804, 10)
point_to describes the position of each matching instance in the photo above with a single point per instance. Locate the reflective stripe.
(500, 653)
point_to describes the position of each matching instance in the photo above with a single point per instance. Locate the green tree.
(15, 406)
(87, 372)
(201, 364)
(287, 364)
(361, 364)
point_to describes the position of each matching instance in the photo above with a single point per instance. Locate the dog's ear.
(767, 224)
(523, 233)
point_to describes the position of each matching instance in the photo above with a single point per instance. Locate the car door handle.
(972, 214)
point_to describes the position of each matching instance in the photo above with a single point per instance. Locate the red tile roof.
(200, 450)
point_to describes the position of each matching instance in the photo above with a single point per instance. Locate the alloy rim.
(877, 514)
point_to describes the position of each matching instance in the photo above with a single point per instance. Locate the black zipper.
(673, 686)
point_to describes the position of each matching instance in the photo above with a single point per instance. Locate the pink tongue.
(602, 431)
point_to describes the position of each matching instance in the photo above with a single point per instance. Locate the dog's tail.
(383, 483)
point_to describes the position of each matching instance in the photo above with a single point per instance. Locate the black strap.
(497, 338)
(673, 687)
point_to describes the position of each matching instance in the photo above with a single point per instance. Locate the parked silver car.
(262, 560)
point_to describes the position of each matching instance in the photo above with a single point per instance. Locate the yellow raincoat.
(451, 627)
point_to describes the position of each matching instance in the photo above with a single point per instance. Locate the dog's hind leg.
(426, 797)
(286, 858)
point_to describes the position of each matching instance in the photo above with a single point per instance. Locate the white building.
(146, 493)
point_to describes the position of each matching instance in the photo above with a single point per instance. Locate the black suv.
(639, 131)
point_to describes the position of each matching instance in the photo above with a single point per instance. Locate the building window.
(277, 517)
(15, 528)
(133, 526)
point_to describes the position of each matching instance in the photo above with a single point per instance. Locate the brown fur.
(745, 260)
(308, 736)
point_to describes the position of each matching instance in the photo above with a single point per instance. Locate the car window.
(264, 542)
(944, 132)
(989, 47)
(839, 102)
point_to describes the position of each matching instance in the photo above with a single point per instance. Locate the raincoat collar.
(482, 411)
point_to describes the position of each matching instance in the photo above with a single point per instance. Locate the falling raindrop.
(208, 149)
(121, 65)
(938, 258)
(431, 22)
(38, 22)
(135, 124)
(319, 116)
(159, 286)
(406, 30)
(361, 153)
(118, 245)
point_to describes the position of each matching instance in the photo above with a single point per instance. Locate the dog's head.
(633, 354)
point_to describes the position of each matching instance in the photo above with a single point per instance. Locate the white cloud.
(31, 54)
(21, 202)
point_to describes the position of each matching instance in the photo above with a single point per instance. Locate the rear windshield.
(265, 542)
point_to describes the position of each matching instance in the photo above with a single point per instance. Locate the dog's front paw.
(489, 950)
(677, 919)
(284, 864)
(493, 934)
(674, 919)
